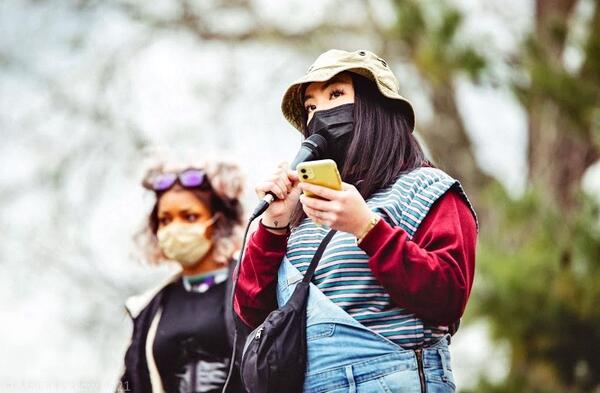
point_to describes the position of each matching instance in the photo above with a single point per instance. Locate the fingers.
(319, 217)
(347, 187)
(319, 204)
(281, 183)
(320, 211)
(293, 176)
(323, 192)
(344, 210)
(270, 186)
(261, 190)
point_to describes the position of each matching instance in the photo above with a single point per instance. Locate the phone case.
(321, 172)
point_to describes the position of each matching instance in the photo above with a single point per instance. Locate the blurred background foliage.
(538, 263)
(539, 254)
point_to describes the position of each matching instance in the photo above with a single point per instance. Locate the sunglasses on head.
(189, 178)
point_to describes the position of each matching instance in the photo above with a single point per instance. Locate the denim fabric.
(345, 356)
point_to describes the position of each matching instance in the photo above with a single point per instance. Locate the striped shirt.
(343, 273)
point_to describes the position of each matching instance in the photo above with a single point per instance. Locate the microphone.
(312, 148)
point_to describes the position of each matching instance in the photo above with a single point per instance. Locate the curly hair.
(222, 196)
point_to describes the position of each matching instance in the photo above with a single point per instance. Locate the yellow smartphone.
(320, 172)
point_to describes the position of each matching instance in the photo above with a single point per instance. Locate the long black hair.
(382, 146)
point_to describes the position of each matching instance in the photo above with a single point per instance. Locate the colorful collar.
(203, 282)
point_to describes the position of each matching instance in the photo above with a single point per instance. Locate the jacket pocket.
(320, 330)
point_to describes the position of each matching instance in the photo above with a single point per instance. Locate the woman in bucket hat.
(395, 279)
(183, 329)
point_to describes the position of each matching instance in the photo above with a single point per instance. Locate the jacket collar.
(136, 303)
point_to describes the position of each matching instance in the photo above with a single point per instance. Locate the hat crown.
(378, 67)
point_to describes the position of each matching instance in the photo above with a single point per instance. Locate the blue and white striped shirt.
(343, 273)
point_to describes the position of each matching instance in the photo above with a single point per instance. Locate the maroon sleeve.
(432, 274)
(255, 295)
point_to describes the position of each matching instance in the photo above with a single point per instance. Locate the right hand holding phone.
(284, 184)
(345, 210)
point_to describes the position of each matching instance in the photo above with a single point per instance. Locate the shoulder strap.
(315, 260)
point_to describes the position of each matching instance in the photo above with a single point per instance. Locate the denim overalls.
(345, 356)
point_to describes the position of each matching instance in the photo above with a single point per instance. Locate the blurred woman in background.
(395, 279)
(182, 330)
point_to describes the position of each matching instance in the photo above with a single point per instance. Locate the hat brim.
(293, 107)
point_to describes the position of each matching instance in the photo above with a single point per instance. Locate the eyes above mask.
(185, 243)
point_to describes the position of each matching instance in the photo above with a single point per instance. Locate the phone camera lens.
(305, 177)
(303, 170)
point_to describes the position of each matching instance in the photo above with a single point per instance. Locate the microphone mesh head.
(317, 143)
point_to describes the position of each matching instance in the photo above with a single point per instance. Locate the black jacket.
(136, 374)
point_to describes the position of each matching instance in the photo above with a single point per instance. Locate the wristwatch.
(372, 222)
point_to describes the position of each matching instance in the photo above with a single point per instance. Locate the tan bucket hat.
(334, 61)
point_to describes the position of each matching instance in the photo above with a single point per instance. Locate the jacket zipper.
(259, 333)
(419, 353)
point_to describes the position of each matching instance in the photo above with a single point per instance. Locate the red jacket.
(430, 275)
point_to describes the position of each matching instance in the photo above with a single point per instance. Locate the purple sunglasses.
(189, 178)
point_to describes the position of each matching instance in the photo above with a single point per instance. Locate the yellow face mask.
(185, 243)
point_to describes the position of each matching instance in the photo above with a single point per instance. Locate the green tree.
(540, 256)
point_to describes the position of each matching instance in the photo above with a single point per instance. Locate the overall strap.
(315, 260)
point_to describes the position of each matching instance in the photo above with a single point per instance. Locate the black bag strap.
(315, 260)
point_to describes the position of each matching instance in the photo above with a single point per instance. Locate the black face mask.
(335, 125)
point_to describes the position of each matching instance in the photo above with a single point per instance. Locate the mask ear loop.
(211, 222)
(214, 219)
